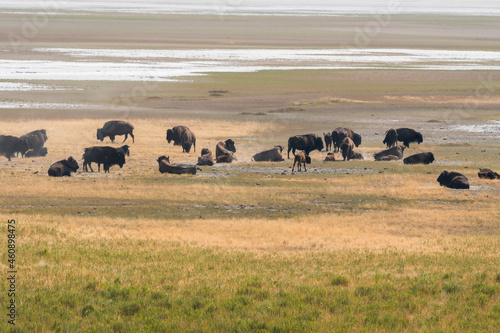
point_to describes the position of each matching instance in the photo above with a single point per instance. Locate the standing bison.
(301, 158)
(175, 134)
(271, 155)
(113, 128)
(9, 145)
(188, 140)
(36, 140)
(395, 151)
(340, 133)
(306, 142)
(408, 135)
(453, 180)
(421, 158)
(224, 151)
(328, 140)
(107, 156)
(63, 167)
(346, 147)
(391, 138)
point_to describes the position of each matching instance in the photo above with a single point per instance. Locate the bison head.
(170, 135)
(279, 147)
(308, 159)
(126, 150)
(230, 145)
(205, 151)
(100, 135)
(419, 138)
(44, 134)
(443, 178)
(356, 139)
(430, 157)
(187, 146)
(318, 144)
(72, 164)
(163, 158)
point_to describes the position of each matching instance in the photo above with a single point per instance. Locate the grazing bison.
(328, 140)
(175, 134)
(9, 145)
(453, 180)
(36, 140)
(176, 168)
(346, 147)
(108, 156)
(271, 155)
(63, 167)
(488, 174)
(301, 158)
(206, 157)
(340, 133)
(32, 153)
(391, 138)
(113, 128)
(408, 135)
(388, 158)
(330, 157)
(306, 142)
(188, 139)
(421, 158)
(224, 151)
(396, 151)
(355, 156)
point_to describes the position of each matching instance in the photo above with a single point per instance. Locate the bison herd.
(341, 139)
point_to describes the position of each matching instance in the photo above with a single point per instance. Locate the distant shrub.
(340, 280)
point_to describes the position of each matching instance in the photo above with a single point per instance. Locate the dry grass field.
(252, 247)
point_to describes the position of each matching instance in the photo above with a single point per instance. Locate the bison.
(330, 157)
(176, 168)
(340, 133)
(301, 158)
(36, 140)
(408, 135)
(421, 158)
(175, 134)
(388, 158)
(224, 151)
(346, 147)
(63, 167)
(206, 157)
(488, 174)
(396, 151)
(108, 156)
(32, 153)
(328, 140)
(113, 128)
(391, 138)
(306, 142)
(355, 156)
(453, 180)
(188, 139)
(9, 145)
(271, 155)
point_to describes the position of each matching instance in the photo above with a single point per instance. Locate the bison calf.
(453, 180)
(301, 158)
(63, 167)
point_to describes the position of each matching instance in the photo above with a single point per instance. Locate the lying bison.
(188, 140)
(388, 158)
(488, 174)
(391, 138)
(175, 134)
(107, 156)
(396, 151)
(346, 147)
(421, 158)
(113, 128)
(176, 168)
(330, 157)
(306, 142)
(206, 157)
(340, 133)
(408, 135)
(271, 155)
(301, 158)
(10, 145)
(32, 153)
(224, 151)
(453, 180)
(63, 167)
(36, 140)
(355, 156)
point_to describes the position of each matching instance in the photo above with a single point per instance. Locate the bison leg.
(294, 165)
(305, 169)
(126, 137)
(112, 137)
(132, 135)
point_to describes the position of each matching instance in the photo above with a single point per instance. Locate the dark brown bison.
(32, 153)
(113, 128)
(328, 140)
(305, 142)
(188, 140)
(391, 138)
(346, 147)
(301, 158)
(408, 135)
(107, 156)
(36, 140)
(421, 158)
(206, 157)
(165, 166)
(271, 155)
(488, 174)
(396, 151)
(175, 134)
(340, 133)
(330, 157)
(63, 167)
(224, 151)
(10, 145)
(355, 156)
(453, 180)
